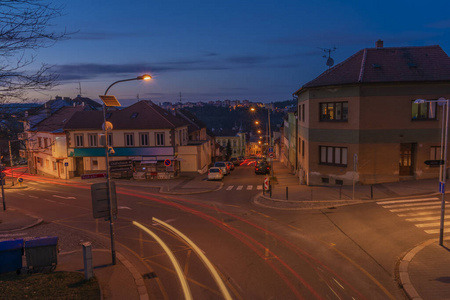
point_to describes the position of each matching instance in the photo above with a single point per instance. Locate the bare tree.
(25, 26)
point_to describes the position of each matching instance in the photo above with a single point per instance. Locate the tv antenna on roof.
(330, 61)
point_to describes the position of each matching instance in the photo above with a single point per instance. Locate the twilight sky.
(258, 50)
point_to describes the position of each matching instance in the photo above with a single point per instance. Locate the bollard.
(287, 193)
(270, 190)
(87, 258)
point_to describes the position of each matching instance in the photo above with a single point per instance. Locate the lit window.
(334, 111)
(424, 111)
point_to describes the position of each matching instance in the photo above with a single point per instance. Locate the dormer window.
(134, 115)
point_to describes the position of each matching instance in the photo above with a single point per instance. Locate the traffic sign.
(100, 200)
(266, 183)
(20, 179)
(270, 149)
(271, 154)
(436, 162)
(441, 187)
(66, 164)
(167, 162)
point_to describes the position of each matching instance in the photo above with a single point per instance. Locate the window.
(129, 139)
(110, 139)
(435, 152)
(79, 140)
(303, 148)
(39, 142)
(159, 138)
(424, 111)
(54, 165)
(300, 112)
(303, 112)
(334, 111)
(143, 138)
(94, 164)
(336, 156)
(92, 137)
(45, 143)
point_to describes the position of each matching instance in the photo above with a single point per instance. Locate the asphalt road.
(260, 253)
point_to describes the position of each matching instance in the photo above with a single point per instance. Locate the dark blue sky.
(216, 50)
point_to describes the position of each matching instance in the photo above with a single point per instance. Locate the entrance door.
(406, 163)
(79, 166)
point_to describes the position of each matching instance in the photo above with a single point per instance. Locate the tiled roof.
(388, 65)
(141, 115)
(57, 120)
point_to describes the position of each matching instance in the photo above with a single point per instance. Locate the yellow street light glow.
(259, 131)
(184, 285)
(204, 259)
(145, 77)
(260, 137)
(256, 122)
(252, 109)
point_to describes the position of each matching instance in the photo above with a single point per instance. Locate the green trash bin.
(41, 254)
(11, 252)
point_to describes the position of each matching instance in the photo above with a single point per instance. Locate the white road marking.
(414, 208)
(259, 187)
(230, 187)
(239, 187)
(124, 207)
(422, 219)
(62, 197)
(411, 204)
(249, 187)
(406, 201)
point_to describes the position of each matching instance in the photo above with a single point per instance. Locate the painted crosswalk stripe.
(406, 201)
(230, 187)
(423, 219)
(239, 187)
(249, 187)
(433, 231)
(415, 208)
(259, 187)
(412, 204)
(416, 214)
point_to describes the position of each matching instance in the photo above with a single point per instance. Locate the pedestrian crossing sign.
(441, 187)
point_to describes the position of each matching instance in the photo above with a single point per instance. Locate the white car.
(223, 166)
(215, 173)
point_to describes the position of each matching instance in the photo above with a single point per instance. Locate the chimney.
(379, 44)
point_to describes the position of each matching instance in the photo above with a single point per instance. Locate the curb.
(403, 266)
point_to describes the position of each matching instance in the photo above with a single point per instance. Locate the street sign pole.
(443, 173)
(3, 190)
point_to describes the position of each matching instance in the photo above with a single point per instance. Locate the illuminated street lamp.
(256, 122)
(442, 167)
(112, 101)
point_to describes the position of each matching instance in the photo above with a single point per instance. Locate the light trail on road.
(247, 240)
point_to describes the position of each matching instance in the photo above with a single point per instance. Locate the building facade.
(358, 122)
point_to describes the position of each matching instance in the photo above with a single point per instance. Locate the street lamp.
(253, 109)
(443, 166)
(112, 101)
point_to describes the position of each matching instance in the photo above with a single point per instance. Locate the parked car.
(231, 165)
(262, 167)
(236, 161)
(222, 165)
(215, 173)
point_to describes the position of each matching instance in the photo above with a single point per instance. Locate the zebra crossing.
(425, 213)
(249, 187)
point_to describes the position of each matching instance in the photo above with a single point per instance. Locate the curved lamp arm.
(143, 77)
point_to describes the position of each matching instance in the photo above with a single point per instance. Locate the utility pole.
(11, 162)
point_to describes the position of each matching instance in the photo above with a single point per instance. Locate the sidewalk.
(423, 271)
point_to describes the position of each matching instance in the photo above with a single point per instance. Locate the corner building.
(357, 121)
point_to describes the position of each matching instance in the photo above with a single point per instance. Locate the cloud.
(211, 61)
(443, 24)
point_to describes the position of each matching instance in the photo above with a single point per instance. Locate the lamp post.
(442, 167)
(270, 141)
(112, 101)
